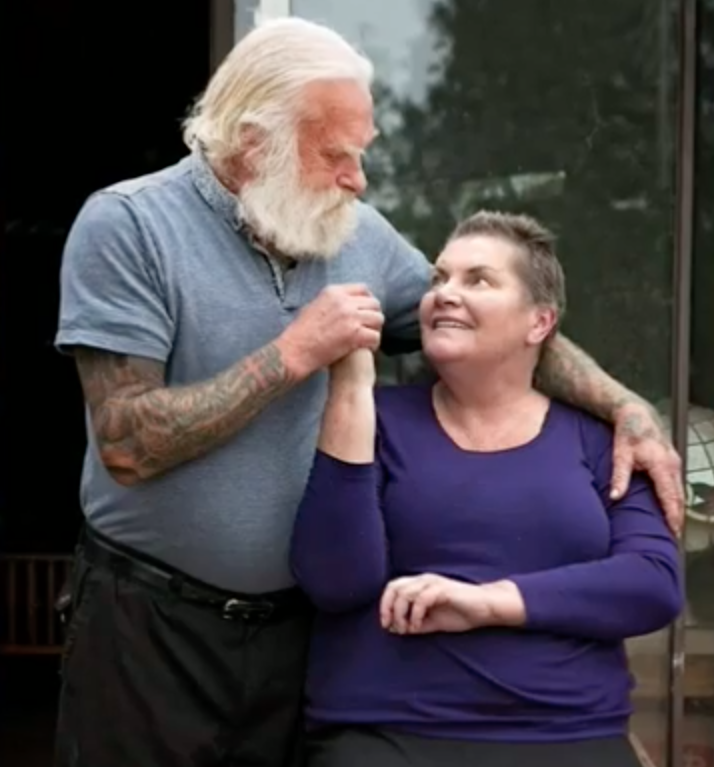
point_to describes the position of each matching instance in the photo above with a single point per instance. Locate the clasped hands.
(427, 603)
(340, 329)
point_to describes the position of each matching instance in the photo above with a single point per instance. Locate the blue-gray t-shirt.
(159, 267)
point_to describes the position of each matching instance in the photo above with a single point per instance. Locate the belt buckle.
(248, 611)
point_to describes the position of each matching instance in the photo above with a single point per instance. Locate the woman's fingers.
(398, 600)
(429, 597)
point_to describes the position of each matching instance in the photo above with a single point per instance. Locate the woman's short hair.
(538, 267)
(261, 80)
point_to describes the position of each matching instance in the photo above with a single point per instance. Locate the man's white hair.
(261, 79)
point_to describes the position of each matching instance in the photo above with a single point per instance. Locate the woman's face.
(478, 308)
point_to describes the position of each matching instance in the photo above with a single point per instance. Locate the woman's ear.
(545, 319)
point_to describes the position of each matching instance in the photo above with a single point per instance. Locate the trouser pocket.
(71, 602)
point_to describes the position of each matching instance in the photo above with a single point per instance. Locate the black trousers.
(354, 747)
(152, 680)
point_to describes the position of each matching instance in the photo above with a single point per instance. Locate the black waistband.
(99, 551)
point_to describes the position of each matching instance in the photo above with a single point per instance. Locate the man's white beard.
(296, 222)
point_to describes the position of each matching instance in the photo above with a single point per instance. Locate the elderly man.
(202, 305)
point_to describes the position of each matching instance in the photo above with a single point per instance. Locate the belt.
(98, 551)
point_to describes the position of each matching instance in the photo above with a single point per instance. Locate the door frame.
(232, 19)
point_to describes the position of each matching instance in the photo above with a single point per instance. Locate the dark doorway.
(95, 93)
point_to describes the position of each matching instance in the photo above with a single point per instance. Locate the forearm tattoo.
(568, 374)
(144, 428)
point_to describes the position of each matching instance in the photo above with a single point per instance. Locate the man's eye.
(334, 157)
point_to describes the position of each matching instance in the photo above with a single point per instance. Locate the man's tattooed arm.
(568, 374)
(144, 428)
(640, 442)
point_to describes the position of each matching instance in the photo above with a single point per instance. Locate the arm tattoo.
(567, 373)
(144, 428)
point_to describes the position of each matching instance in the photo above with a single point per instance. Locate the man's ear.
(244, 165)
(251, 136)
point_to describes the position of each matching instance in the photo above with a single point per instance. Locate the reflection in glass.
(562, 110)
(699, 541)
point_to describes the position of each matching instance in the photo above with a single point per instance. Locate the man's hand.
(567, 373)
(427, 603)
(641, 445)
(340, 320)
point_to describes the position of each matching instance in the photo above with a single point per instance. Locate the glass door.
(698, 692)
(566, 111)
(570, 112)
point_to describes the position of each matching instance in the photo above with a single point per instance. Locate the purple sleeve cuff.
(328, 470)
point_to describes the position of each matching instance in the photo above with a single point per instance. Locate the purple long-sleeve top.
(592, 573)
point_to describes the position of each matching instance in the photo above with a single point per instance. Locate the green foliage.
(566, 111)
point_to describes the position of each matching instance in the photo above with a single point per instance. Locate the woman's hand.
(349, 421)
(355, 370)
(427, 603)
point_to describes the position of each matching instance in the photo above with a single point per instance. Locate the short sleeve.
(406, 279)
(111, 296)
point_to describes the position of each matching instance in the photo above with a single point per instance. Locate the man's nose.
(354, 181)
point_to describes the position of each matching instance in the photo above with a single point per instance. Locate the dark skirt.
(367, 747)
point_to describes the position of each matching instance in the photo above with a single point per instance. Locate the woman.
(474, 581)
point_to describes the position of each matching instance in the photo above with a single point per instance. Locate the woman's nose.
(446, 296)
